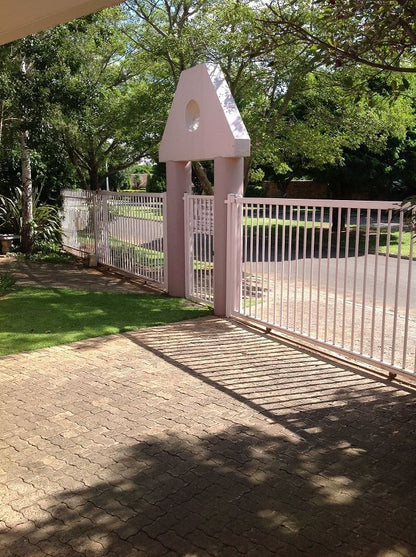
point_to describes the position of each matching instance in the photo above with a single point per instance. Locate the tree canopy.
(317, 85)
(376, 33)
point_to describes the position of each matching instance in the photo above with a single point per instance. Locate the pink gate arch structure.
(287, 265)
(203, 124)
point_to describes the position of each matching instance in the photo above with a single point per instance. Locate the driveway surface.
(202, 438)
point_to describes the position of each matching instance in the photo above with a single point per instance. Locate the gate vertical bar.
(396, 294)
(95, 221)
(164, 242)
(346, 256)
(409, 291)
(234, 253)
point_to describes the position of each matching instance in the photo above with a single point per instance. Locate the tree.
(78, 96)
(379, 34)
(99, 90)
(377, 40)
(366, 174)
(35, 92)
(167, 37)
(298, 110)
(103, 115)
(18, 100)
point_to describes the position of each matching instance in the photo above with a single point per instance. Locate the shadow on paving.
(68, 275)
(337, 478)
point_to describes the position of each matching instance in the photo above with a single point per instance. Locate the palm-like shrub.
(7, 282)
(46, 225)
(10, 214)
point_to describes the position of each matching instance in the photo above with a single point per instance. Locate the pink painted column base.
(178, 182)
(228, 178)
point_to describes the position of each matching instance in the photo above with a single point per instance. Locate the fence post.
(95, 221)
(105, 232)
(228, 179)
(178, 182)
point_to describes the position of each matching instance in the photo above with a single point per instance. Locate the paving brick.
(201, 438)
(24, 549)
(148, 545)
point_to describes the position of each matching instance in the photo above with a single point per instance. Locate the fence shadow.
(326, 466)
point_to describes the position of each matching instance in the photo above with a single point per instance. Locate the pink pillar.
(228, 178)
(178, 182)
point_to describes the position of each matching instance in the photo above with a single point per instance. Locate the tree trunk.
(94, 177)
(206, 185)
(27, 196)
(247, 166)
(339, 216)
(1, 120)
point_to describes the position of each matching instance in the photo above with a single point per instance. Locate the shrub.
(46, 219)
(48, 251)
(7, 282)
(409, 211)
(157, 181)
(255, 190)
(156, 186)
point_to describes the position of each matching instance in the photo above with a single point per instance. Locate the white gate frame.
(390, 363)
(199, 231)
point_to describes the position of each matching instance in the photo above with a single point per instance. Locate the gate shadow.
(327, 466)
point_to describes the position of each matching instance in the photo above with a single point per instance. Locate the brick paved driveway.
(201, 438)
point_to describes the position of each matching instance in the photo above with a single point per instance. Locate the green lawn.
(269, 227)
(146, 257)
(32, 318)
(137, 212)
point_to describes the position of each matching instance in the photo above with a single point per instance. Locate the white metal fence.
(78, 220)
(124, 230)
(339, 274)
(199, 253)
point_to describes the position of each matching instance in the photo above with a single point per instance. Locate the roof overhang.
(19, 18)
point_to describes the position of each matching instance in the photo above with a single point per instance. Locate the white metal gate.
(338, 274)
(199, 252)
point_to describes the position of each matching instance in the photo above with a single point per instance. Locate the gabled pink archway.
(204, 123)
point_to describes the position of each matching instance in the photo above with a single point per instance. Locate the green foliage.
(11, 214)
(300, 113)
(96, 92)
(387, 174)
(256, 175)
(375, 33)
(157, 181)
(409, 209)
(87, 112)
(46, 223)
(141, 169)
(156, 185)
(105, 131)
(255, 190)
(32, 318)
(7, 282)
(47, 252)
